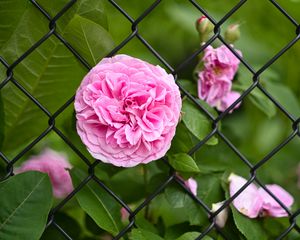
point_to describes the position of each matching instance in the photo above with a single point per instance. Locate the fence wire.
(172, 177)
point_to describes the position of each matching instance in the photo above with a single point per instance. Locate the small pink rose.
(215, 80)
(127, 111)
(56, 166)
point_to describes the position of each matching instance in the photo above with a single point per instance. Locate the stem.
(145, 170)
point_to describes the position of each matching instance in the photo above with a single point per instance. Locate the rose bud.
(232, 33)
(192, 185)
(204, 26)
(127, 111)
(222, 216)
(56, 166)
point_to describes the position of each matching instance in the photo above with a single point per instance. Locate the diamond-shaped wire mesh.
(171, 176)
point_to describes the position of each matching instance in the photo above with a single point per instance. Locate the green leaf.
(25, 203)
(93, 10)
(183, 163)
(285, 96)
(91, 40)
(11, 13)
(260, 100)
(135, 187)
(211, 190)
(182, 141)
(141, 234)
(175, 196)
(197, 122)
(192, 236)
(189, 85)
(50, 73)
(251, 228)
(97, 203)
(143, 223)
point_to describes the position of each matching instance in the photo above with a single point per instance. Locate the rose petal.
(248, 202)
(192, 185)
(270, 205)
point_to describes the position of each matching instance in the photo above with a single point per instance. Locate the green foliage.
(182, 141)
(90, 39)
(197, 122)
(51, 73)
(192, 236)
(25, 203)
(134, 179)
(250, 228)
(260, 100)
(183, 163)
(141, 234)
(284, 96)
(97, 203)
(175, 196)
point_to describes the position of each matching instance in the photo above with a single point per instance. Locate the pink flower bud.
(232, 33)
(192, 185)
(124, 214)
(221, 218)
(56, 166)
(204, 26)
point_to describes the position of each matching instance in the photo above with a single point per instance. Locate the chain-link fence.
(172, 177)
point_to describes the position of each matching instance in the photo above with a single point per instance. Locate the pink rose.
(254, 202)
(212, 87)
(221, 60)
(127, 111)
(192, 185)
(56, 166)
(215, 81)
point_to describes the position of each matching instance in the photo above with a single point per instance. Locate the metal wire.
(171, 177)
